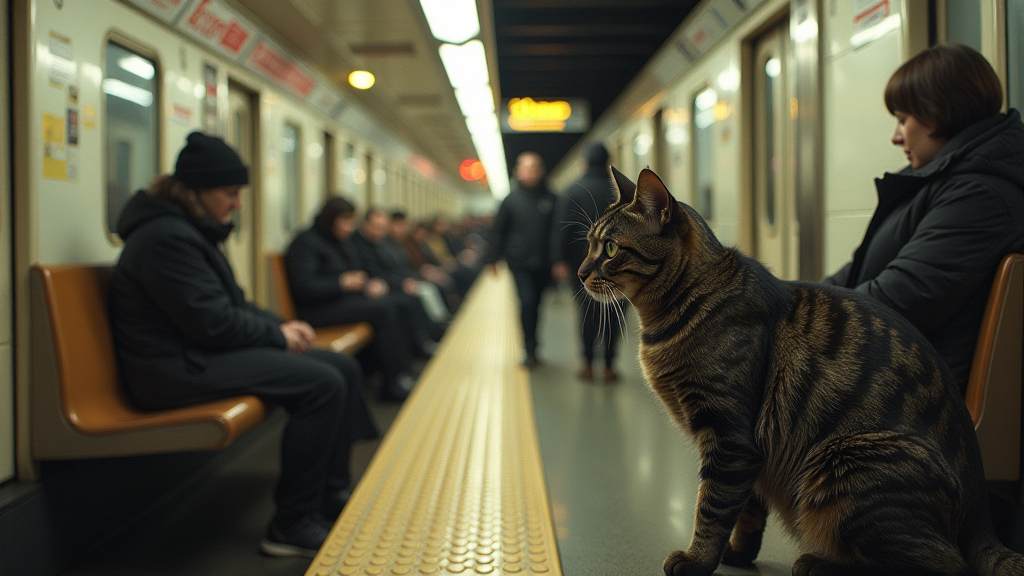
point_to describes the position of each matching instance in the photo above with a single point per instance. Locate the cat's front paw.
(679, 563)
(739, 558)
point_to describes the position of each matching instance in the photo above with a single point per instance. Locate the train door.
(776, 229)
(242, 245)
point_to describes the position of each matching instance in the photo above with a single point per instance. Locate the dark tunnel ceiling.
(588, 49)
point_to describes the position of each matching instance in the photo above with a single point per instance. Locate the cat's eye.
(611, 249)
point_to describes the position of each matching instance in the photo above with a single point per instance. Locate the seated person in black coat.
(331, 286)
(185, 334)
(382, 259)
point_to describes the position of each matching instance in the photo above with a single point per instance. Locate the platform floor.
(621, 480)
(622, 477)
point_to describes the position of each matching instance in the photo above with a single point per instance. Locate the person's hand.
(434, 274)
(411, 286)
(375, 288)
(299, 335)
(353, 280)
(560, 270)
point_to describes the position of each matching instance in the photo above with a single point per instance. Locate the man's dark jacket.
(174, 297)
(378, 263)
(522, 229)
(582, 203)
(314, 260)
(931, 249)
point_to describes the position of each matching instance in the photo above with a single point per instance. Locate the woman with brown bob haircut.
(945, 221)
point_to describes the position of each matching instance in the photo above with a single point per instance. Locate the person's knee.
(321, 385)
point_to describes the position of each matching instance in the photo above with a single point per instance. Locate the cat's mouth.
(603, 290)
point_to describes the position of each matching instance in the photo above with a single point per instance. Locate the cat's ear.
(623, 186)
(659, 206)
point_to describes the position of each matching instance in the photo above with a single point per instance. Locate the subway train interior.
(767, 117)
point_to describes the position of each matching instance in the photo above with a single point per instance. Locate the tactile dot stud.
(539, 568)
(513, 568)
(428, 569)
(484, 569)
(401, 570)
(374, 570)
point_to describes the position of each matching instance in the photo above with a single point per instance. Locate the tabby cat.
(811, 401)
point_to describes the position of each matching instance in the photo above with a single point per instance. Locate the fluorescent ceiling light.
(466, 65)
(125, 91)
(475, 101)
(138, 66)
(452, 21)
(483, 123)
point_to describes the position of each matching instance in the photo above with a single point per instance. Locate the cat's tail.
(987, 557)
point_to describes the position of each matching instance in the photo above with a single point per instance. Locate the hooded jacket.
(522, 229)
(933, 244)
(174, 296)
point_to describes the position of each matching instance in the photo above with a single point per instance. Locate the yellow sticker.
(55, 150)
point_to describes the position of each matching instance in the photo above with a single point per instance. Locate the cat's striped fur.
(813, 402)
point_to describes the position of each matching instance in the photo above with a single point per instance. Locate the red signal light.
(471, 170)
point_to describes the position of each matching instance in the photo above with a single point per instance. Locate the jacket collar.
(963, 143)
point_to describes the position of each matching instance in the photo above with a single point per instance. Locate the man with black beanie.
(184, 334)
(581, 204)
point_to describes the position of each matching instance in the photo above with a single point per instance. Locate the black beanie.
(597, 155)
(208, 162)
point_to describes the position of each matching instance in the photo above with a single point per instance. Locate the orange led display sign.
(545, 115)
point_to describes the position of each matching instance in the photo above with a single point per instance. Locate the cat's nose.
(584, 271)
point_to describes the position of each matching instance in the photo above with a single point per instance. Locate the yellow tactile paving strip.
(457, 485)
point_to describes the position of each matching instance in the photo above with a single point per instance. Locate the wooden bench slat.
(993, 394)
(78, 407)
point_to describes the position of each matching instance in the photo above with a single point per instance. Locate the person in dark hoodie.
(944, 222)
(331, 285)
(522, 237)
(578, 207)
(185, 334)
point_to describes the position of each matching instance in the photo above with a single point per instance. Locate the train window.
(291, 146)
(963, 23)
(132, 127)
(703, 151)
(1015, 52)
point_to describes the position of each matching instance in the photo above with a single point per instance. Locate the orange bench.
(348, 338)
(78, 407)
(994, 387)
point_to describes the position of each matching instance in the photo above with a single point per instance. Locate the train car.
(766, 116)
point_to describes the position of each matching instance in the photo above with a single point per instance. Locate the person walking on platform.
(185, 334)
(945, 221)
(522, 237)
(578, 207)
